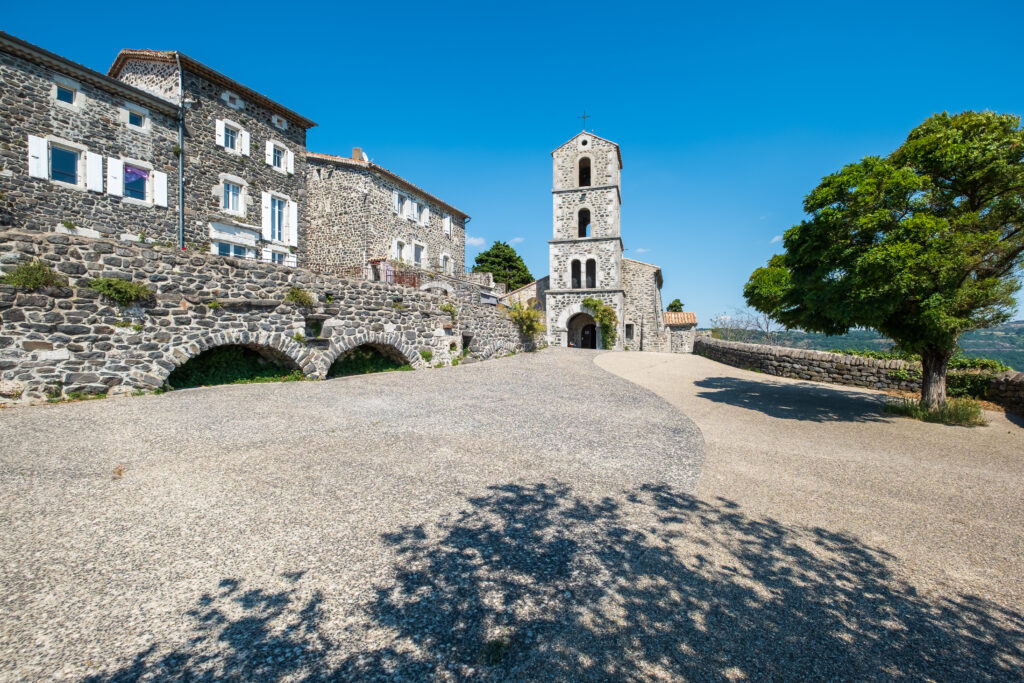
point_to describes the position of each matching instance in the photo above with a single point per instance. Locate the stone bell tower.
(586, 252)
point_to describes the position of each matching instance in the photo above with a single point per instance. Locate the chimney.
(357, 153)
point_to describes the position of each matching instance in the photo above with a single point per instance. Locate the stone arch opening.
(437, 287)
(584, 172)
(583, 222)
(393, 345)
(591, 274)
(574, 276)
(366, 359)
(234, 364)
(582, 331)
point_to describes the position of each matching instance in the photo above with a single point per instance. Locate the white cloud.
(641, 250)
(777, 238)
(517, 240)
(475, 241)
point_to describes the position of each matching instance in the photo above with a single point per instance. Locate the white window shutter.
(220, 132)
(115, 177)
(267, 254)
(270, 153)
(94, 171)
(245, 142)
(159, 188)
(37, 157)
(291, 162)
(394, 200)
(292, 237)
(265, 215)
(426, 215)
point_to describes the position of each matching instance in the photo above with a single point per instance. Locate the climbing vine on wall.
(606, 318)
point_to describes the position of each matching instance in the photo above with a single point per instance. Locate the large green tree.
(922, 245)
(507, 266)
(676, 306)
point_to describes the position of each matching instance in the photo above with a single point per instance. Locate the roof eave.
(356, 163)
(34, 53)
(211, 74)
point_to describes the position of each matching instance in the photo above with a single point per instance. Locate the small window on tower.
(584, 223)
(591, 274)
(629, 332)
(576, 283)
(585, 172)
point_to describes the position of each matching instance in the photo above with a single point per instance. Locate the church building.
(586, 256)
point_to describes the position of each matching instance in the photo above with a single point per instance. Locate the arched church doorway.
(582, 331)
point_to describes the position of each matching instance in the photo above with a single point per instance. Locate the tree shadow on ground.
(805, 401)
(534, 581)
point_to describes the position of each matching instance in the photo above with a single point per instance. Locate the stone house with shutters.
(243, 157)
(81, 152)
(362, 215)
(586, 256)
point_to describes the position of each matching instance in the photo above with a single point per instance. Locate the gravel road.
(444, 523)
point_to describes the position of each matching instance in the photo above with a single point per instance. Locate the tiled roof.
(198, 67)
(359, 163)
(684, 318)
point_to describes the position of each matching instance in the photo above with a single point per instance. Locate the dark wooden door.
(588, 337)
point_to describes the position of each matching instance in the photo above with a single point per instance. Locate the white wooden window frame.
(290, 226)
(447, 264)
(424, 255)
(150, 182)
(287, 166)
(81, 171)
(448, 225)
(242, 137)
(243, 194)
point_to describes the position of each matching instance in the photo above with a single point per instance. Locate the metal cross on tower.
(584, 117)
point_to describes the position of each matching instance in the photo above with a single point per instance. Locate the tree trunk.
(934, 364)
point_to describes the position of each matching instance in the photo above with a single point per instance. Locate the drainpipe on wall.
(181, 155)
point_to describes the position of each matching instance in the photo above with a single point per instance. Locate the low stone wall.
(70, 339)
(1006, 389)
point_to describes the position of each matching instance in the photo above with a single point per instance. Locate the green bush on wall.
(33, 275)
(606, 319)
(124, 292)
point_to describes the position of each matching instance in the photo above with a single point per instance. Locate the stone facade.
(643, 324)
(681, 338)
(38, 195)
(231, 134)
(353, 217)
(585, 254)
(70, 339)
(533, 295)
(1006, 389)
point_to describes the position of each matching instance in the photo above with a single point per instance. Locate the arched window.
(576, 283)
(585, 172)
(584, 222)
(591, 274)
(446, 264)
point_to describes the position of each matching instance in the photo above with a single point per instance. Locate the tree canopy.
(922, 245)
(676, 306)
(505, 264)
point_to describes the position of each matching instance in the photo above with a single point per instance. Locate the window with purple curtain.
(135, 182)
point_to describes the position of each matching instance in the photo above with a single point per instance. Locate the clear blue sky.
(727, 113)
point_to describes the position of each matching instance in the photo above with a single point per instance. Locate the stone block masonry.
(1006, 389)
(58, 341)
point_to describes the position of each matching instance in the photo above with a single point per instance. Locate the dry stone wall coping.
(1006, 389)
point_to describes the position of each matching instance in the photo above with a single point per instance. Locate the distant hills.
(1004, 343)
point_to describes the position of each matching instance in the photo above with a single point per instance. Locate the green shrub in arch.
(33, 275)
(230, 365)
(124, 292)
(606, 319)
(364, 360)
(301, 297)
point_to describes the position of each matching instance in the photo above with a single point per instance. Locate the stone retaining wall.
(1006, 389)
(70, 339)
